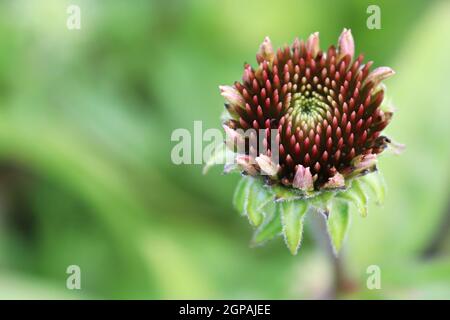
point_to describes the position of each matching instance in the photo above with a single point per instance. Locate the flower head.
(325, 106)
(323, 115)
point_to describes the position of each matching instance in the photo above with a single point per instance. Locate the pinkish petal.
(379, 74)
(234, 139)
(363, 162)
(336, 181)
(296, 44)
(247, 164)
(312, 44)
(232, 96)
(265, 51)
(267, 166)
(346, 44)
(303, 179)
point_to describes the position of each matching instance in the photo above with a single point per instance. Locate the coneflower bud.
(346, 44)
(325, 108)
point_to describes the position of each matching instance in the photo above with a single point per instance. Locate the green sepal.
(275, 209)
(258, 197)
(250, 197)
(321, 201)
(375, 182)
(271, 227)
(282, 193)
(292, 214)
(241, 194)
(338, 223)
(357, 196)
(358, 190)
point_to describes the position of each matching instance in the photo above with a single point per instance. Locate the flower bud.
(346, 45)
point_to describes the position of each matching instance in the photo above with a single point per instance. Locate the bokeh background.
(85, 172)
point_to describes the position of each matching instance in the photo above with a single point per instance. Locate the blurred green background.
(85, 170)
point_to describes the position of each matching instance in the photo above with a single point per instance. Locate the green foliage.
(292, 214)
(356, 196)
(338, 223)
(272, 225)
(275, 209)
(377, 186)
(241, 194)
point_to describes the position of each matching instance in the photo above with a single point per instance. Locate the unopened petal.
(234, 140)
(312, 44)
(265, 51)
(267, 166)
(303, 179)
(334, 182)
(379, 74)
(232, 96)
(346, 45)
(247, 164)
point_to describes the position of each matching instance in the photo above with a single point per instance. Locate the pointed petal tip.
(380, 74)
(266, 39)
(312, 44)
(346, 44)
(232, 95)
(314, 35)
(335, 182)
(265, 51)
(346, 31)
(267, 166)
(303, 179)
(233, 139)
(296, 43)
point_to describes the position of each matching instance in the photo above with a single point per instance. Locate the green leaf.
(357, 196)
(271, 227)
(258, 197)
(338, 223)
(375, 182)
(250, 197)
(292, 213)
(322, 201)
(360, 193)
(241, 194)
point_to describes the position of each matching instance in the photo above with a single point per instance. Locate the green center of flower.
(308, 108)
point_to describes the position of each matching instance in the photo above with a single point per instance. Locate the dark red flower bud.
(326, 106)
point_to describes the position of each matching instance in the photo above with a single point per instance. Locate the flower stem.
(340, 282)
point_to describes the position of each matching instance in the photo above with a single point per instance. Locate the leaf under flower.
(241, 194)
(357, 196)
(338, 223)
(292, 214)
(273, 210)
(271, 226)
